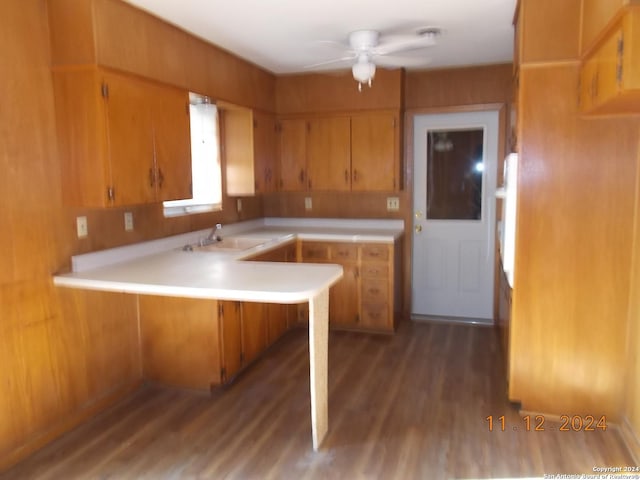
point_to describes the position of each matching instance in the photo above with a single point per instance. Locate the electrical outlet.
(128, 221)
(239, 205)
(307, 203)
(393, 204)
(81, 227)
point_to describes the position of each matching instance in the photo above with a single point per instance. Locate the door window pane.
(455, 167)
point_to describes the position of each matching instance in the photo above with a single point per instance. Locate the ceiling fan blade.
(395, 61)
(402, 43)
(331, 62)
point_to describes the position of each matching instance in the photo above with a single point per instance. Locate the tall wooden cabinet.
(571, 287)
(122, 140)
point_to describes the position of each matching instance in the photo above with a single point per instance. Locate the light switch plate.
(393, 204)
(82, 227)
(128, 221)
(307, 203)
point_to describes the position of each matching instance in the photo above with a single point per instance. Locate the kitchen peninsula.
(163, 268)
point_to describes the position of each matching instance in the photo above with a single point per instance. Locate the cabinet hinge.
(620, 59)
(220, 309)
(104, 89)
(111, 194)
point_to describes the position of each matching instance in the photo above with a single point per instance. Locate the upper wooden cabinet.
(292, 150)
(248, 141)
(328, 154)
(122, 140)
(596, 15)
(375, 151)
(265, 152)
(340, 153)
(610, 73)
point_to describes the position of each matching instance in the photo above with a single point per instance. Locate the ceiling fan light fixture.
(363, 72)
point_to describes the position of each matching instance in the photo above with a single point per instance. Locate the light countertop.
(160, 267)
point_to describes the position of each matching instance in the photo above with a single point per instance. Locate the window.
(206, 177)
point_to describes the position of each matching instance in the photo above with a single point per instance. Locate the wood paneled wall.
(337, 92)
(451, 87)
(631, 409)
(574, 245)
(66, 355)
(115, 34)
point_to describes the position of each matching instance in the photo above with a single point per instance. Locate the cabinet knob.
(160, 178)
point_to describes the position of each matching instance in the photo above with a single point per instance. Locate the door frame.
(408, 179)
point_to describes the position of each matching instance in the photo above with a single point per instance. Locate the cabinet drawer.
(376, 290)
(344, 252)
(375, 253)
(375, 315)
(375, 270)
(315, 251)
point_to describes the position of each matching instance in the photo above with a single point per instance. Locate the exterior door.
(455, 163)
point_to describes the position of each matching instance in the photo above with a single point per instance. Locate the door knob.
(418, 228)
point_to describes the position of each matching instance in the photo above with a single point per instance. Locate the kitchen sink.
(230, 244)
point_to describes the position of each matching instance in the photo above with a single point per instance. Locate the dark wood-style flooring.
(408, 406)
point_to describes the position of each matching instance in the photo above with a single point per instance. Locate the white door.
(455, 163)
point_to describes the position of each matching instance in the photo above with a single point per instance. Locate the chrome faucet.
(214, 235)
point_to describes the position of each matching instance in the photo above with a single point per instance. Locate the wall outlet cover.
(393, 204)
(82, 228)
(128, 221)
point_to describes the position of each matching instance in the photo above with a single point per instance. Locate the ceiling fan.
(370, 48)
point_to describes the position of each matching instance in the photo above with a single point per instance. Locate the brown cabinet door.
(329, 154)
(254, 330)
(344, 298)
(180, 341)
(595, 16)
(293, 154)
(374, 152)
(172, 143)
(231, 339)
(276, 321)
(264, 145)
(130, 140)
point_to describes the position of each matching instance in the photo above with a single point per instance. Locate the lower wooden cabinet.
(200, 343)
(190, 343)
(364, 298)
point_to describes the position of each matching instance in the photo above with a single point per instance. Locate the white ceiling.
(283, 36)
